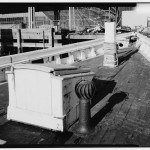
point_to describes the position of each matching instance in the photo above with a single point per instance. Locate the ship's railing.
(74, 52)
(144, 45)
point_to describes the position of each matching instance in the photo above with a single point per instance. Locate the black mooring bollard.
(85, 90)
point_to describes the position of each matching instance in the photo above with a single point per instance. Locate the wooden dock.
(120, 109)
(20, 39)
(14, 41)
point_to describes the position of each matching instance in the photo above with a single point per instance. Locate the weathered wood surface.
(88, 36)
(25, 33)
(120, 109)
(27, 38)
(33, 44)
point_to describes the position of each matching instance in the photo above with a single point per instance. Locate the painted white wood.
(110, 32)
(6, 60)
(64, 60)
(34, 55)
(145, 50)
(110, 56)
(110, 60)
(57, 59)
(143, 45)
(35, 118)
(92, 53)
(40, 98)
(45, 67)
(100, 51)
(57, 96)
(124, 42)
(70, 58)
(77, 55)
(29, 90)
(138, 44)
(82, 55)
(12, 93)
(47, 59)
(11, 89)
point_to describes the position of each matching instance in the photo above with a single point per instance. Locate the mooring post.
(110, 46)
(85, 91)
(19, 41)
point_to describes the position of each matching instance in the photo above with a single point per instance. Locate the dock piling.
(19, 41)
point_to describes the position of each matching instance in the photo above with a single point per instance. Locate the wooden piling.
(51, 38)
(19, 40)
(43, 39)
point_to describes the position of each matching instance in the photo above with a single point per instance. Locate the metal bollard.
(85, 90)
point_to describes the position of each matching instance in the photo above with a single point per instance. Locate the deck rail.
(77, 51)
(144, 46)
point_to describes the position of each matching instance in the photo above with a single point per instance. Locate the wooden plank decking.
(120, 109)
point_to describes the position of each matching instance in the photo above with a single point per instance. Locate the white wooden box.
(44, 94)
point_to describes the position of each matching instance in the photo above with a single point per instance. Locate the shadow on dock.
(22, 135)
(124, 55)
(113, 100)
(103, 88)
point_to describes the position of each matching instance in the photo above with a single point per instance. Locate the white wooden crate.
(38, 97)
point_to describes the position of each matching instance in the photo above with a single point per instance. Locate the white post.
(92, 52)
(70, 59)
(57, 59)
(82, 56)
(12, 95)
(110, 49)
